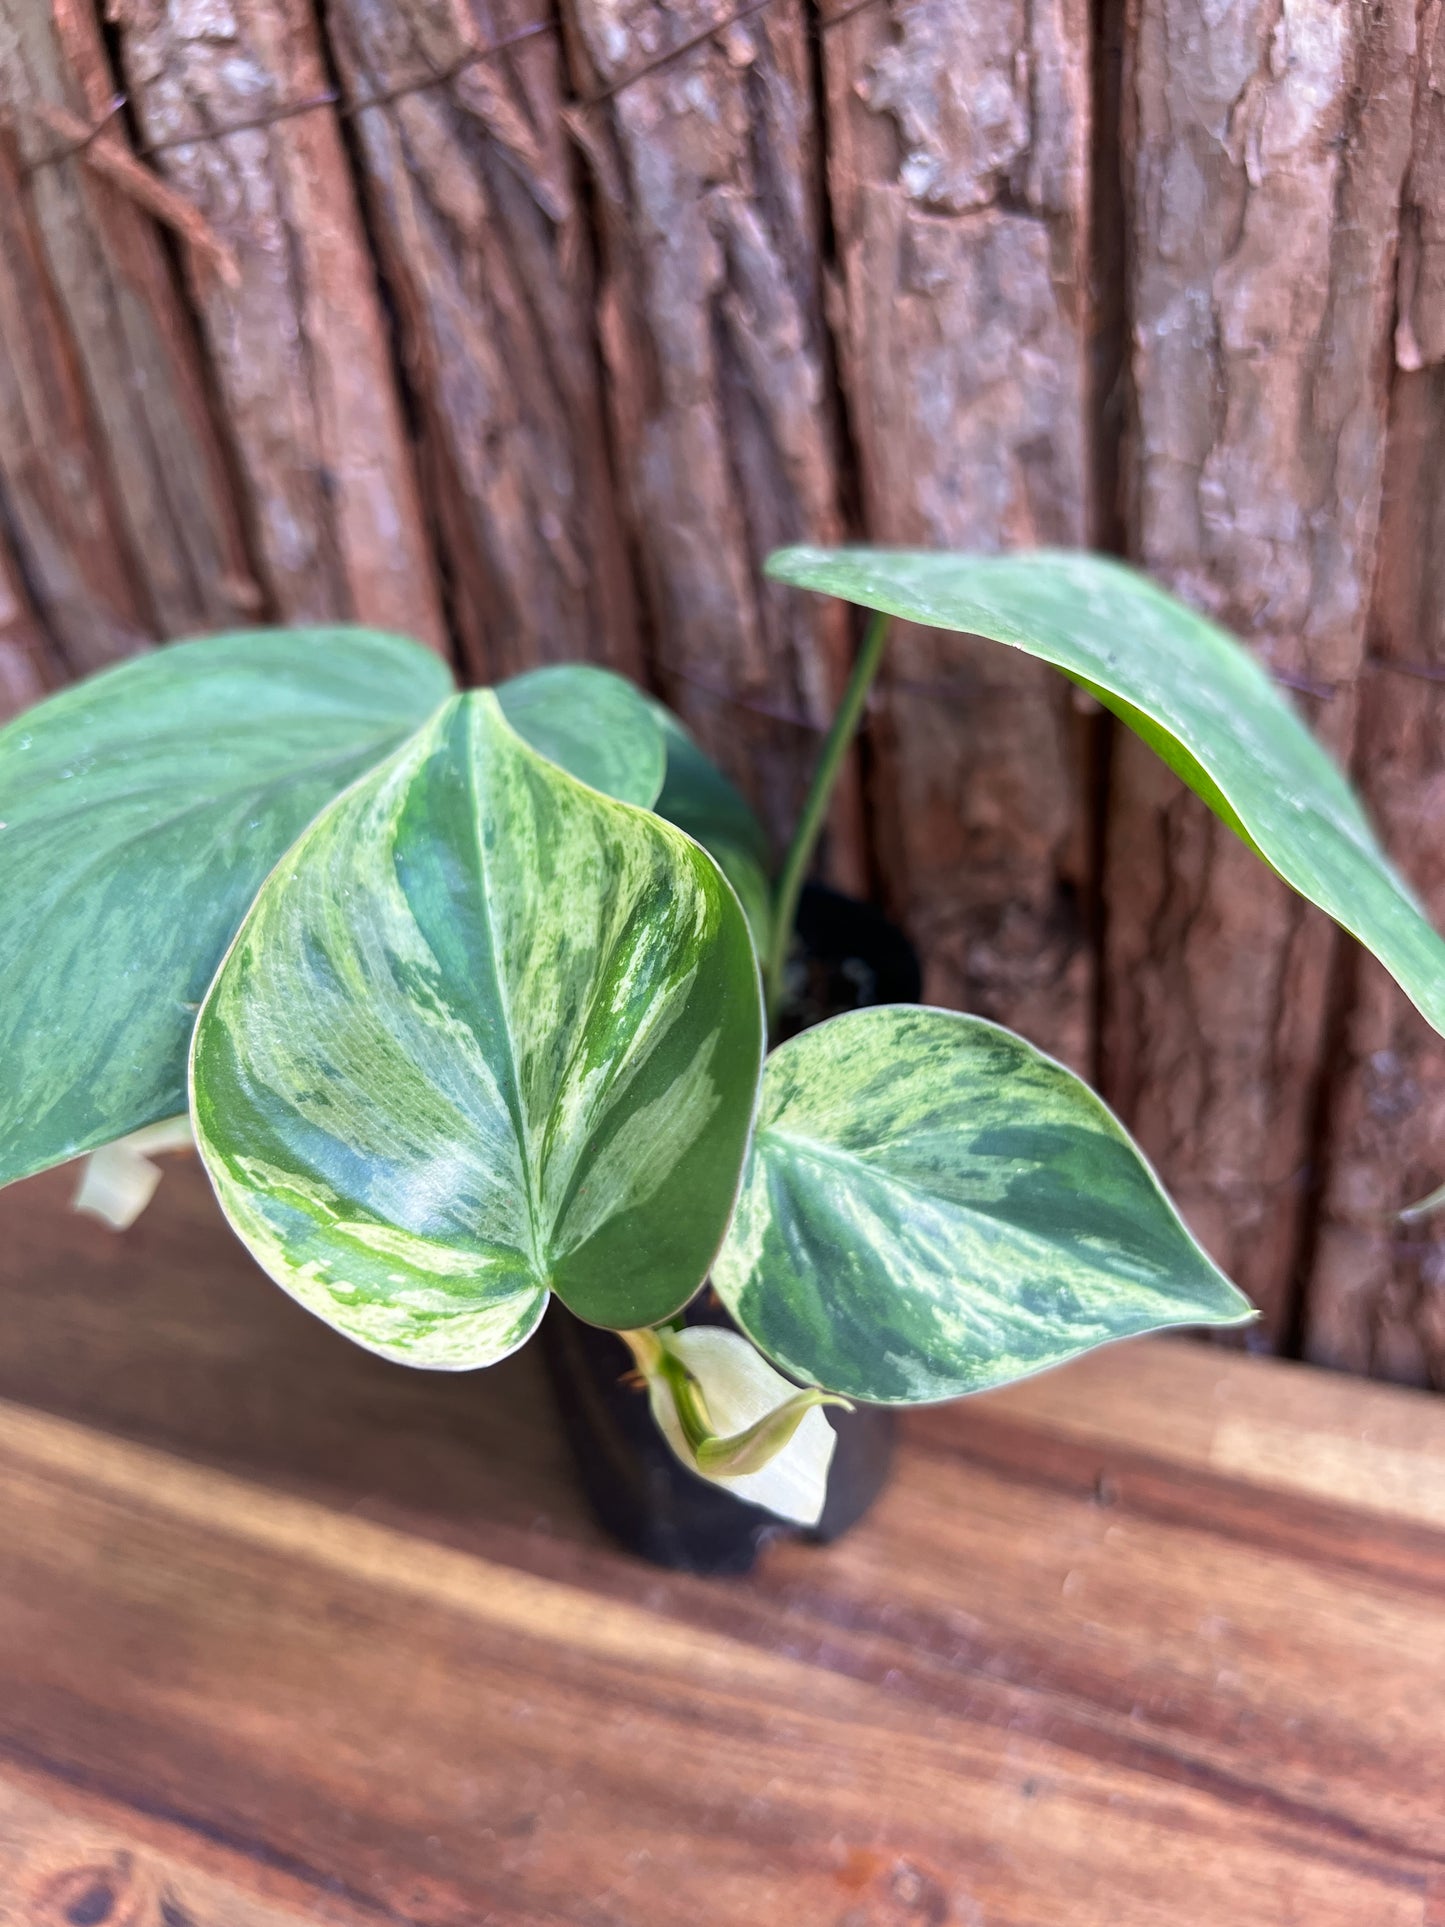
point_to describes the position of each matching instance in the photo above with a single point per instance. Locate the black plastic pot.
(849, 956)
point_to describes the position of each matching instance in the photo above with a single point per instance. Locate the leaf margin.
(544, 1291)
(222, 653)
(734, 1295)
(1410, 949)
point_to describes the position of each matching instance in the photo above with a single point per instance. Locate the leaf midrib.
(833, 1155)
(516, 1103)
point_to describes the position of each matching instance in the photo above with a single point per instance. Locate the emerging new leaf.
(931, 1207)
(781, 1444)
(119, 1180)
(486, 1033)
(139, 812)
(1423, 1207)
(1192, 693)
(591, 723)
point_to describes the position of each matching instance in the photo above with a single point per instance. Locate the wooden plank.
(494, 1738)
(1420, 322)
(68, 1855)
(27, 667)
(150, 449)
(1266, 148)
(703, 150)
(475, 208)
(958, 139)
(59, 496)
(1374, 1299)
(1096, 1658)
(1288, 1430)
(169, 1335)
(295, 337)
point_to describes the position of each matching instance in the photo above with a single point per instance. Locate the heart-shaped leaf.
(931, 1207)
(1192, 693)
(591, 723)
(139, 812)
(486, 1033)
(701, 800)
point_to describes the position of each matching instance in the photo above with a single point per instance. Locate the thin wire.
(676, 53)
(337, 102)
(1422, 671)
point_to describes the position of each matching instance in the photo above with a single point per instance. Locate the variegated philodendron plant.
(465, 996)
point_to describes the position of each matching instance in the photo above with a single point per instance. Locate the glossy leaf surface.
(139, 813)
(931, 1207)
(486, 1033)
(701, 800)
(591, 723)
(1192, 693)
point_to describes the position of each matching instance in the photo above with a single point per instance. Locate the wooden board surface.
(288, 1634)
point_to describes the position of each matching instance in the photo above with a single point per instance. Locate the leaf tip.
(792, 564)
(1422, 1207)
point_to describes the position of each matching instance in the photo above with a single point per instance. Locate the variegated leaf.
(931, 1207)
(1192, 693)
(591, 723)
(701, 800)
(139, 812)
(486, 1033)
(606, 732)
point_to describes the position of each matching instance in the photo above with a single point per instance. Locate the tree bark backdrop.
(529, 328)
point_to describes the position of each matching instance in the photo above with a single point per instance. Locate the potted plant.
(467, 997)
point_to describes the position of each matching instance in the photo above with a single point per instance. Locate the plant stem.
(815, 810)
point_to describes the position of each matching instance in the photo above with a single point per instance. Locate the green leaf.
(139, 813)
(486, 1033)
(1192, 693)
(698, 798)
(601, 729)
(591, 723)
(931, 1207)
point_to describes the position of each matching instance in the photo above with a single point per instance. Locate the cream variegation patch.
(741, 1388)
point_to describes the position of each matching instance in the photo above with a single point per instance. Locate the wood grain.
(287, 1633)
(537, 327)
(476, 212)
(1420, 320)
(1266, 150)
(151, 450)
(61, 507)
(1374, 1299)
(295, 336)
(957, 145)
(704, 163)
(27, 668)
